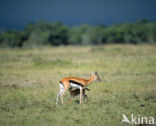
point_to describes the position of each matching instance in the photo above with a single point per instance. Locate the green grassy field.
(29, 82)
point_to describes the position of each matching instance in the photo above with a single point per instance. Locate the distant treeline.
(55, 34)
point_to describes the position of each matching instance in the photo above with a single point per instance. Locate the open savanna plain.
(29, 82)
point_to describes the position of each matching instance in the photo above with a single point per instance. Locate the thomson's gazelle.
(75, 82)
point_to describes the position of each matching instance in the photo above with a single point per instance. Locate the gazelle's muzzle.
(98, 78)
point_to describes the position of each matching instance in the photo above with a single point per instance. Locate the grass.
(29, 84)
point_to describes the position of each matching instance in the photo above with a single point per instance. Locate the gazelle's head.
(96, 76)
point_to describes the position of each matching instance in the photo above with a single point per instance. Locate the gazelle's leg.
(86, 97)
(70, 101)
(83, 95)
(80, 95)
(59, 93)
(62, 96)
(57, 97)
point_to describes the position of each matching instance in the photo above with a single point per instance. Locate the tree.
(11, 38)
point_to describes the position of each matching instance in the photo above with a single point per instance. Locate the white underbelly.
(75, 85)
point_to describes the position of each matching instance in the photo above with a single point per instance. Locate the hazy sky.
(17, 13)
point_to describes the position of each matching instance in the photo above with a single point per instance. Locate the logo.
(137, 119)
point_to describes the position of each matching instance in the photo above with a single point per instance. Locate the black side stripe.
(72, 81)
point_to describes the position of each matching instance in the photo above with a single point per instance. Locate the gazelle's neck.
(90, 80)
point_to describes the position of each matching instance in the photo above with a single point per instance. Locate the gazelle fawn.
(76, 92)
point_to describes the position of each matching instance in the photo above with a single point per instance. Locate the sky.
(17, 13)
